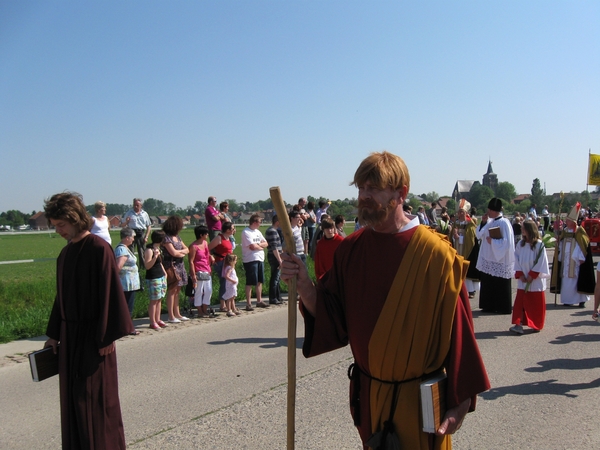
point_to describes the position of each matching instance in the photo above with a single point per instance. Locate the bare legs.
(173, 303)
(154, 313)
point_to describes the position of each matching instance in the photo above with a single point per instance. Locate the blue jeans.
(218, 268)
(274, 287)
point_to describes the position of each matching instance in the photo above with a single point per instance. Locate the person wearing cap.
(496, 260)
(465, 242)
(573, 268)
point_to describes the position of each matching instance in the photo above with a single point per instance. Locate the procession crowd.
(417, 283)
(500, 249)
(497, 248)
(161, 254)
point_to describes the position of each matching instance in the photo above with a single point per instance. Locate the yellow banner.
(594, 170)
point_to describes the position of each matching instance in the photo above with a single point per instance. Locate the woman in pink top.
(220, 247)
(200, 261)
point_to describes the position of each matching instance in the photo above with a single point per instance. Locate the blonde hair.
(382, 170)
(230, 260)
(99, 205)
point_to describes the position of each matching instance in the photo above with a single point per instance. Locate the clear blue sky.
(180, 100)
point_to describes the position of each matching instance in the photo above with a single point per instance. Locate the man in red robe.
(89, 314)
(396, 294)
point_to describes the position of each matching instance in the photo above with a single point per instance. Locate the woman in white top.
(100, 227)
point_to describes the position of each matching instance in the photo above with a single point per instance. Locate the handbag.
(172, 276)
(190, 291)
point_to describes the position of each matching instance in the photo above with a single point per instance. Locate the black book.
(44, 364)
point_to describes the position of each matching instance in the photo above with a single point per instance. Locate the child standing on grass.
(231, 284)
(156, 279)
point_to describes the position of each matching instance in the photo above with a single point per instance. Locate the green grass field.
(27, 290)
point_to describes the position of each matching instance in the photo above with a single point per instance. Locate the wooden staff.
(290, 247)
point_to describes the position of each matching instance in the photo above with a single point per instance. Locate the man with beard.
(396, 294)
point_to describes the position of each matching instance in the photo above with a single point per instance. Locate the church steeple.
(490, 179)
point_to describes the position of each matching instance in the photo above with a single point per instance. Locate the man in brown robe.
(89, 314)
(396, 294)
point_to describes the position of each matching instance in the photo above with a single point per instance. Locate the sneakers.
(176, 320)
(261, 305)
(249, 308)
(183, 318)
(518, 329)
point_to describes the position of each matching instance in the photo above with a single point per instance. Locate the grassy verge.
(27, 290)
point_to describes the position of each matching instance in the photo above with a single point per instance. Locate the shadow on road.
(577, 337)
(540, 388)
(263, 342)
(565, 364)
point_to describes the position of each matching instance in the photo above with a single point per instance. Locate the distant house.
(162, 219)
(519, 198)
(462, 189)
(442, 202)
(245, 216)
(38, 221)
(114, 221)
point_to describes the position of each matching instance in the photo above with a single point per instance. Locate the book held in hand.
(433, 402)
(495, 233)
(44, 364)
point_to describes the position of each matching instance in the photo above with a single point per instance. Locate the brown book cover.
(495, 233)
(433, 402)
(43, 363)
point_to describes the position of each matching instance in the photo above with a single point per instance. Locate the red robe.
(350, 298)
(89, 313)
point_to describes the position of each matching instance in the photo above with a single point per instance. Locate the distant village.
(470, 190)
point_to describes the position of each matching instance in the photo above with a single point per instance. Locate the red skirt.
(530, 309)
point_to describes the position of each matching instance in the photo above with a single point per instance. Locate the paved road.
(220, 384)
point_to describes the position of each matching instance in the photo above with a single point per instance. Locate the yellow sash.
(412, 335)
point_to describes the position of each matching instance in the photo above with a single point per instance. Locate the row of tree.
(479, 197)
(155, 207)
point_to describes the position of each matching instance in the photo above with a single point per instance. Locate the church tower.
(490, 179)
